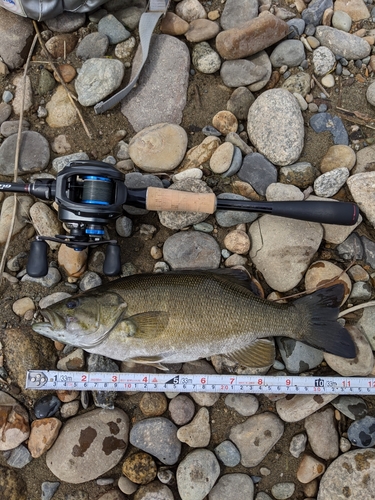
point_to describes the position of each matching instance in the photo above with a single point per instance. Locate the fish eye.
(72, 304)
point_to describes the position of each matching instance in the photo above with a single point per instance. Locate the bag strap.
(147, 23)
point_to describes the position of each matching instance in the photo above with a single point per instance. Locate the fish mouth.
(53, 322)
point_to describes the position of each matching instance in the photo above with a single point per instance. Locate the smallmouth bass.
(183, 316)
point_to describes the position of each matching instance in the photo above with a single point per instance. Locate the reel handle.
(37, 264)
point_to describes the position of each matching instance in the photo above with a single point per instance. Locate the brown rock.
(67, 396)
(140, 468)
(74, 263)
(153, 404)
(200, 154)
(12, 486)
(67, 72)
(323, 273)
(309, 468)
(62, 44)
(173, 25)
(225, 122)
(245, 189)
(237, 242)
(356, 9)
(327, 17)
(252, 37)
(14, 423)
(338, 156)
(43, 434)
(201, 30)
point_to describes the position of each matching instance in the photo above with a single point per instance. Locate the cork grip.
(180, 201)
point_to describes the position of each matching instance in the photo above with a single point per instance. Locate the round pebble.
(181, 409)
(140, 468)
(153, 404)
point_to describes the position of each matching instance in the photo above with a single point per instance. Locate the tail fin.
(321, 329)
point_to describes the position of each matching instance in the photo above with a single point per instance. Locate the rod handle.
(180, 201)
(325, 212)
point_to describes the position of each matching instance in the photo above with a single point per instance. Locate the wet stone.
(47, 406)
(352, 407)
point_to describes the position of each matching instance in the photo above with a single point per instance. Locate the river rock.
(93, 45)
(89, 445)
(361, 187)
(97, 79)
(14, 422)
(152, 101)
(61, 112)
(196, 156)
(299, 83)
(34, 153)
(251, 37)
(346, 476)
(190, 10)
(157, 436)
(352, 407)
(322, 434)
(229, 485)
(159, 148)
(201, 30)
(343, 44)
(22, 84)
(196, 474)
(328, 184)
(192, 250)
(295, 407)
(309, 468)
(237, 12)
(324, 273)
(113, 29)
(287, 126)
(314, 13)
(173, 25)
(42, 435)
(16, 38)
(61, 44)
(46, 222)
(356, 9)
(152, 491)
(285, 244)
(323, 60)
(140, 468)
(338, 156)
(289, 52)
(262, 61)
(6, 216)
(66, 22)
(197, 433)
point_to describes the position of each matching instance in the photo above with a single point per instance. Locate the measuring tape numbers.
(229, 383)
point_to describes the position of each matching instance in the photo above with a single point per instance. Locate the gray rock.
(49, 489)
(369, 249)
(238, 12)
(262, 60)
(34, 153)
(244, 404)
(346, 477)
(235, 164)
(98, 363)
(327, 185)
(343, 44)
(361, 292)
(323, 122)
(5, 111)
(230, 485)
(66, 22)
(322, 434)
(367, 323)
(282, 491)
(297, 356)
(360, 188)
(90, 280)
(256, 437)
(113, 29)
(11, 127)
(228, 454)
(50, 279)
(341, 21)
(196, 474)
(192, 250)
(323, 60)
(297, 27)
(298, 445)
(130, 16)
(205, 59)
(283, 248)
(301, 174)
(181, 409)
(351, 248)
(240, 102)
(89, 445)
(124, 226)
(94, 45)
(16, 37)
(295, 407)
(314, 13)
(281, 139)
(352, 407)
(19, 457)
(361, 433)
(152, 101)
(241, 72)
(180, 220)
(150, 491)
(157, 436)
(136, 180)
(63, 161)
(97, 79)
(229, 218)
(289, 52)
(258, 172)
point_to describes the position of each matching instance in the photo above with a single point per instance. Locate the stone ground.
(206, 96)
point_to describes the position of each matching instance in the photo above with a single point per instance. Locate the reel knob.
(112, 261)
(37, 264)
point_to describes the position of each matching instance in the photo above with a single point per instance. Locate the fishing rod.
(90, 194)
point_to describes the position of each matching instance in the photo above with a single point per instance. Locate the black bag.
(47, 9)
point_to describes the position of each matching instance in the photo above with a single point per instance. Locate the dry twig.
(320, 86)
(16, 159)
(71, 96)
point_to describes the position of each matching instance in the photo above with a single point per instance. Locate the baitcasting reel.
(90, 194)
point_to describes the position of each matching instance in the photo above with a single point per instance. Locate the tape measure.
(227, 384)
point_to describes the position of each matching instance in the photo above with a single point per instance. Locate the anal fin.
(150, 360)
(259, 353)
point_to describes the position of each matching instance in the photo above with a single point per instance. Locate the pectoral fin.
(150, 360)
(255, 355)
(145, 326)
